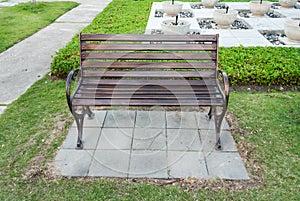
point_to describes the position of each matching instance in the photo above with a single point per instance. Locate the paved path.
(29, 60)
(151, 144)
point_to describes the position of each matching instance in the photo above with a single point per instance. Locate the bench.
(148, 70)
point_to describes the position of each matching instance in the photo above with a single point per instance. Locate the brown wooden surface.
(149, 38)
(147, 56)
(145, 47)
(149, 65)
(148, 70)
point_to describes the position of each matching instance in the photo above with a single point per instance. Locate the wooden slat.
(148, 47)
(176, 90)
(149, 38)
(146, 102)
(140, 83)
(148, 56)
(148, 96)
(149, 74)
(143, 94)
(146, 89)
(149, 65)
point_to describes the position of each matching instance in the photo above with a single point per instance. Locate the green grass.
(33, 127)
(20, 21)
(29, 132)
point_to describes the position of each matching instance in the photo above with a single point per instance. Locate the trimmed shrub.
(264, 66)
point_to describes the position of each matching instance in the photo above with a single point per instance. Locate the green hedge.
(263, 66)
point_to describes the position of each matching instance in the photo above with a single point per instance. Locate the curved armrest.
(70, 78)
(226, 85)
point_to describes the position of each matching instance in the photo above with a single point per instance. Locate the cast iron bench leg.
(210, 113)
(79, 122)
(218, 122)
(79, 118)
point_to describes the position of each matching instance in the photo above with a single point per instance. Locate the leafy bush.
(66, 59)
(245, 66)
(264, 66)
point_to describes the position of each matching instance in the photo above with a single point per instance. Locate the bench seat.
(148, 70)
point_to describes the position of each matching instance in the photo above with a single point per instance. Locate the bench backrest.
(189, 55)
(156, 60)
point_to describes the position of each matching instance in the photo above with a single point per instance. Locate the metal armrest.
(70, 78)
(226, 85)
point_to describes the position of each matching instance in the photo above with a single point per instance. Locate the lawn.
(265, 126)
(20, 21)
(268, 140)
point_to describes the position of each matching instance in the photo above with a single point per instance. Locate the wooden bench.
(148, 70)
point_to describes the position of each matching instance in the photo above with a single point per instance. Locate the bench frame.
(98, 47)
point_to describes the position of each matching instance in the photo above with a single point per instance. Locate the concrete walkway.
(150, 144)
(29, 60)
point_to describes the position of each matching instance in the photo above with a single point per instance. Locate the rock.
(197, 6)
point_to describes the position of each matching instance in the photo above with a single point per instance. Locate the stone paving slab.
(145, 151)
(73, 162)
(182, 164)
(149, 164)
(115, 138)
(183, 140)
(181, 120)
(228, 165)
(110, 163)
(149, 139)
(150, 119)
(119, 119)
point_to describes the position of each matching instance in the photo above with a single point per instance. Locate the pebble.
(273, 15)
(210, 24)
(158, 13)
(247, 14)
(200, 6)
(244, 13)
(274, 38)
(220, 6)
(197, 6)
(239, 25)
(275, 5)
(182, 14)
(159, 31)
(186, 14)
